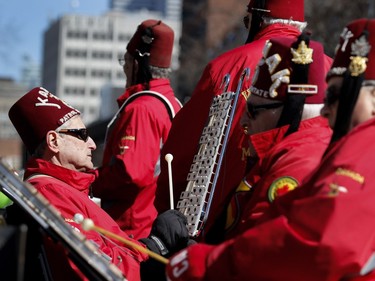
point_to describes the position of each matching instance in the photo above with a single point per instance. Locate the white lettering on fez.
(262, 61)
(279, 77)
(259, 92)
(272, 62)
(345, 35)
(43, 92)
(67, 116)
(44, 102)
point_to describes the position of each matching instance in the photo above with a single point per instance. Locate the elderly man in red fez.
(269, 19)
(324, 230)
(61, 169)
(130, 166)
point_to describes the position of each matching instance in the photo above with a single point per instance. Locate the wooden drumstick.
(169, 158)
(88, 224)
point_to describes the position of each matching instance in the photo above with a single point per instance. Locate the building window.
(124, 37)
(70, 91)
(102, 36)
(75, 53)
(75, 72)
(101, 55)
(101, 74)
(76, 34)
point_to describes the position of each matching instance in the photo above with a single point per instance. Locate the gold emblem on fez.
(357, 65)
(303, 55)
(281, 186)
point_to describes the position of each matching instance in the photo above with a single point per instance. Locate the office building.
(169, 9)
(10, 142)
(81, 54)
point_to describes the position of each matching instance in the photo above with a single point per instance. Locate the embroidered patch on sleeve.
(132, 138)
(343, 181)
(351, 174)
(280, 186)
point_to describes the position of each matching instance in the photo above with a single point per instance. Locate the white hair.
(311, 110)
(297, 24)
(159, 73)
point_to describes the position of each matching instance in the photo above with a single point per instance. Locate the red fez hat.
(354, 52)
(38, 112)
(275, 71)
(355, 62)
(160, 38)
(281, 9)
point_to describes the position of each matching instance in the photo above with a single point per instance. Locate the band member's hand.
(170, 228)
(169, 234)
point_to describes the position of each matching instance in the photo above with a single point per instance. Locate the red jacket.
(127, 178)
(284, 163)
(67, 191)
(322, 231)
(188, 124)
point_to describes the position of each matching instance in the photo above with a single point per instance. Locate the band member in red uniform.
(61, 169)
(284, 125)
(269, 19)
(127, 177)
(323, 230)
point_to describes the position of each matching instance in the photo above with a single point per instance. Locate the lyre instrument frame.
(195, 201)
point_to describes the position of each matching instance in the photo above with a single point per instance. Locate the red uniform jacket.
(67, 191)
(322, 231)
(183, 140)
(284, 163)
(127, 178)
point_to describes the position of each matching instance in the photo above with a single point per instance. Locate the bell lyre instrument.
(196, 200)
(85, 254)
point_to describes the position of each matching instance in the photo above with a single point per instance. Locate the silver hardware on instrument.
(196, 200)
(28, 198)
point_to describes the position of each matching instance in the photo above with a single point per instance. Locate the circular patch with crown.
(280, 186)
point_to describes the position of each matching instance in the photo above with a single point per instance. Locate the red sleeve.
(309, 239)
(70, 202)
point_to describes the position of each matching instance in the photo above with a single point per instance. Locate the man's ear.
(52, 141)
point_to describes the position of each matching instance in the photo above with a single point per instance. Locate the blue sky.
(22, 23)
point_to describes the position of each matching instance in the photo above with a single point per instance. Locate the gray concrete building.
(169, 9)
(80, 56)
(10, 142)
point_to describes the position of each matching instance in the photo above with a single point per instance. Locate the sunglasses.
(81, 134)
(253, 110)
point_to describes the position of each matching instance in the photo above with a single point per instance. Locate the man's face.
(363, 110)
(365, 106)
(75, 153)
(261, 115)
(329, 109)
